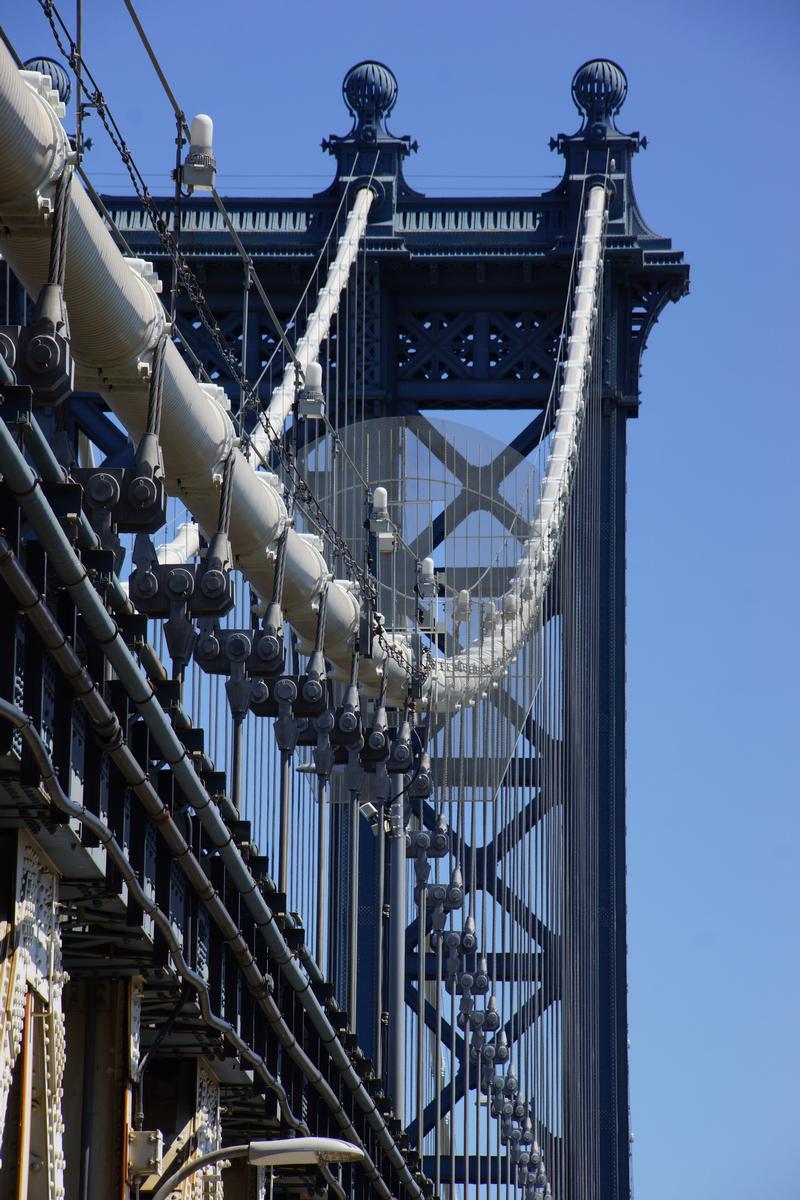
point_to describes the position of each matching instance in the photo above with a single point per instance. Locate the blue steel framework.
(462, 309)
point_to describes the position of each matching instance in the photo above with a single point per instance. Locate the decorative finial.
(599, 89)
(59, 76)
(370, 92)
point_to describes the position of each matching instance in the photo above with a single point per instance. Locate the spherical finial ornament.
(370, 91)
(599, 89)
(59, 76)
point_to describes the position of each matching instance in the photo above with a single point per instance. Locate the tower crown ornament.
(370, 93)
(599, 88)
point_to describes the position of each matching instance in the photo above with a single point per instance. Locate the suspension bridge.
(312, 751)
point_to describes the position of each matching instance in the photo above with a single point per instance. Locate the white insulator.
(310, 397)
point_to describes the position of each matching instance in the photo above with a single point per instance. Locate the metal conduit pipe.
(52, 471)
(25, 488)
(42, 454)
(110, 735)
(319, 323)
(105, 836)
(109, 732)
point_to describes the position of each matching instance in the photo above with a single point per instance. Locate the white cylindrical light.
(380, 502)
(202, 135)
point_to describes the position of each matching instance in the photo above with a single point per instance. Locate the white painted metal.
(185, 545)
(319, 323)
(468, 675)
(116, 319)
(32, 962)
(207, 1183)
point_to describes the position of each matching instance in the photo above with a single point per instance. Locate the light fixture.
(310, 397)
(200, 168)
(426, 578)
(285, 1152)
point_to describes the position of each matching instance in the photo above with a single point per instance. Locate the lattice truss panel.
(31, 1015)
(207, 1183)
(497, 861)
(490, 1032)
(446, 345)
(201, 1134)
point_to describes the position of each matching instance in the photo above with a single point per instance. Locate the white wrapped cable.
(319, 323)
(116, 320)
(463, 678)
(185, 545)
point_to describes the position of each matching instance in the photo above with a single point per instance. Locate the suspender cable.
(24, 487)
(58, 244)
(105, 836)
(115, 319)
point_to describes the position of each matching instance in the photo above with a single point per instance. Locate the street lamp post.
(287, 1152)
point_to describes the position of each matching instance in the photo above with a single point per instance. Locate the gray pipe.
(52, 471)
(115, 852)
(109, 731)
(25, 487)
(42, 453)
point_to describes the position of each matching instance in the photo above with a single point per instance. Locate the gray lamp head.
(303, 1150)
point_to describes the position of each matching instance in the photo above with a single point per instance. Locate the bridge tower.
(453, 304)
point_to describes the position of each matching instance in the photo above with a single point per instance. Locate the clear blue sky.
(713, 496)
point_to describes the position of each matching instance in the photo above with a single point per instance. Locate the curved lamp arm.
(285, 1152)
(196, 1164)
